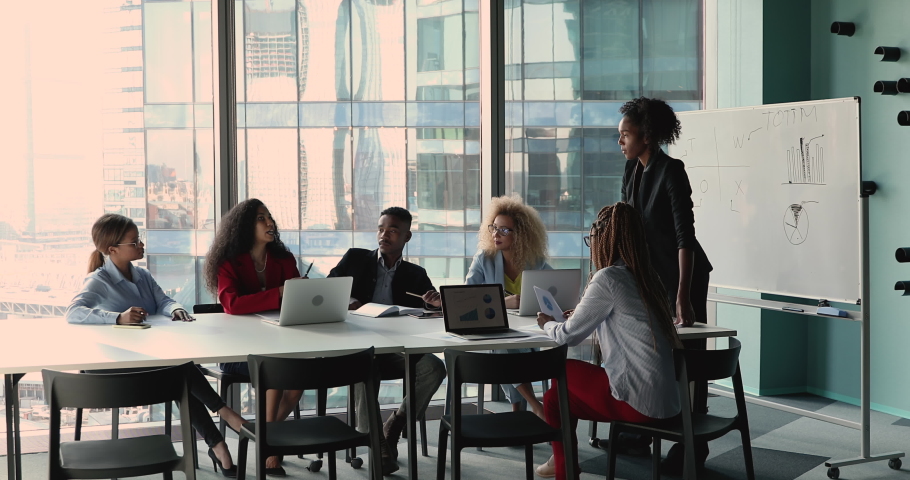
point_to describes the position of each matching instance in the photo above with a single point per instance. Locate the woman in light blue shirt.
(117, 292)
(512, 239)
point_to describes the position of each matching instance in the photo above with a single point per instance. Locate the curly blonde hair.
(530, 235)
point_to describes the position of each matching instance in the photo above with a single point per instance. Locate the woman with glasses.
(512, 239)
(626, 309)
(246, 267)
(658, 187)
(117, 292)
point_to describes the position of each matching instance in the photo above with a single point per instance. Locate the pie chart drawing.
(546, 302)
(796, 224)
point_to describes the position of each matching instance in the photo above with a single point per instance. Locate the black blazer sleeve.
(341, 270)
(360, 264)
(680, 193)
(412, 279)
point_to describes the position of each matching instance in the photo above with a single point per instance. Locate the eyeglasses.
(505, 232)
(139, 239)
(587, 239)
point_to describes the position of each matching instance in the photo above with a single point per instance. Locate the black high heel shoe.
(227, 472)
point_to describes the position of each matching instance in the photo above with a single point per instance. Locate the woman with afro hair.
(658, 187)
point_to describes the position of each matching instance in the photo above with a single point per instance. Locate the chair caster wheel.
(356, 463)
(315, 466)
(894, 464)
(594, 442)
(833, 472)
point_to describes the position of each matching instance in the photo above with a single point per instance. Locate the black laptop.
(476, 312)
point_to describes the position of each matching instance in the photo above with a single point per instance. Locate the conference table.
(219, 338)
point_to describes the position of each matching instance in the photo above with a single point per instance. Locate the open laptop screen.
(472, 307)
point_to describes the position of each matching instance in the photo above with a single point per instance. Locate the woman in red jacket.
(247, 266)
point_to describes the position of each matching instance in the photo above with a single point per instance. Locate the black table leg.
(411, 379)
(13, 441)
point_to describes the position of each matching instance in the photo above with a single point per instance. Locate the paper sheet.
(547, 303)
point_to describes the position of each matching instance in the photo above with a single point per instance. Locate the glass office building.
(344, 108)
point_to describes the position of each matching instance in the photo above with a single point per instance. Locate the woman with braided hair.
(658, 187)
(625, 306)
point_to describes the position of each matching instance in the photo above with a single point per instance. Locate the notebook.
(380, 310)
(476, 312)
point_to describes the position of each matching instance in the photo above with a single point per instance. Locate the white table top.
(52, 343)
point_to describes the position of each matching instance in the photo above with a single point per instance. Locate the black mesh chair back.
(502, 429)
(691, 428)
(119, 457)
(313, 434)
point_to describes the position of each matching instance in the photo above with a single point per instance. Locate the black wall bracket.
(843, 28)
(889, 54)
(885, 87)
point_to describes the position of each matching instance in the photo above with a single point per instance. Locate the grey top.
(639, 374)
(384, 276)
(106, 293)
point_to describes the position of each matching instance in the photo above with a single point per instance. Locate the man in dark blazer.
(383, 276)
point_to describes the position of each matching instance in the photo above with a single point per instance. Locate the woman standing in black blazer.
(658, 187)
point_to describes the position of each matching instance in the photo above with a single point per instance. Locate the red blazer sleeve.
(236, 290)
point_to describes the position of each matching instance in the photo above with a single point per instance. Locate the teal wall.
(844, 67)
(799, 59)
(786, 51)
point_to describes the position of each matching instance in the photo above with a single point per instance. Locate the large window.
(107, 107)
(347, 107)
(344, 108)
(569, 66)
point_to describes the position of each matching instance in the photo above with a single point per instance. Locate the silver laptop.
(564, 285)
(476, 312)
(312, 300)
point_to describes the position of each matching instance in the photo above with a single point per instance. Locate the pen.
(309, 268)
(414, 295)
(792, 309)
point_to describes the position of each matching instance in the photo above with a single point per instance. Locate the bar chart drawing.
(806, 163)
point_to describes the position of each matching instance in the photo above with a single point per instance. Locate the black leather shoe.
(227, 472)
(676, 459)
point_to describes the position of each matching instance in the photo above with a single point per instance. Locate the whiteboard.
(776, 191)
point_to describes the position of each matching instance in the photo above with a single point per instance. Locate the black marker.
(309, 268)
(792, 309)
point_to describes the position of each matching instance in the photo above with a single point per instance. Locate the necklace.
(264, 264)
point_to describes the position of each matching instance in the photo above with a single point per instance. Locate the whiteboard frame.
(863, 316)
